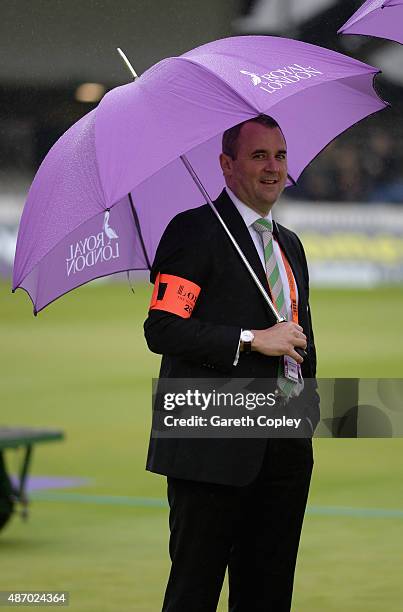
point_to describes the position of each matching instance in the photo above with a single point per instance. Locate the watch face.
(247, 336)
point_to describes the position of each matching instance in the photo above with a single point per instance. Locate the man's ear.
(226, 164)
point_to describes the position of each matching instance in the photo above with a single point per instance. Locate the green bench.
(19, 437)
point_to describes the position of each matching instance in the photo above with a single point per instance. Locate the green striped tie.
(265, 229)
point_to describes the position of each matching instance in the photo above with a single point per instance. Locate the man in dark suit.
(236, 503)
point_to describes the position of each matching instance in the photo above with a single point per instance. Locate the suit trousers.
(252, 530)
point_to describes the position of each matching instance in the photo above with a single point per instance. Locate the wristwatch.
(247, 337)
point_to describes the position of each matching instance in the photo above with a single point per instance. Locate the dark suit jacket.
(195, 247)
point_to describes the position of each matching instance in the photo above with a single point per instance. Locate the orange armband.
(174, 294)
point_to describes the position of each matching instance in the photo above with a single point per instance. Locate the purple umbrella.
(381, 18)
(107, 189)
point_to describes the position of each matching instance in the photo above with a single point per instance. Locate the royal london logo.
(281, 77)
(94, 249)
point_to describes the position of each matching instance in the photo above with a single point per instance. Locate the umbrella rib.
(137, 223)
(219, 78)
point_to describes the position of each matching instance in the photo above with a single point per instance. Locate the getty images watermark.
(208, 408)
(254, 408)
(195, 398)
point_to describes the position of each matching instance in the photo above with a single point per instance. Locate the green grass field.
(83, 365)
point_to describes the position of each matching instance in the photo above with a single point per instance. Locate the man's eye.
(259, 156)
(281, 156)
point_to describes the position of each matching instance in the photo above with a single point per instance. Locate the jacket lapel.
(240, 232)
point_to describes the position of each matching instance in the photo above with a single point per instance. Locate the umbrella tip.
(132, 71)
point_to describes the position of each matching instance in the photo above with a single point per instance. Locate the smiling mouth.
(269, 181)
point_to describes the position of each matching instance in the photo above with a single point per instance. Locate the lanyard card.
(292, 369)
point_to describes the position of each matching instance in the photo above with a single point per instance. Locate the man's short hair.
(230, 136)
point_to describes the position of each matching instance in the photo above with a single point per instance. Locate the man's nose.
(272, 164)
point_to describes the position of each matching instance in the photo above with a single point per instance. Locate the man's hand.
(281, 339)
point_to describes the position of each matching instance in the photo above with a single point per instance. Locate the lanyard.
(291, 284)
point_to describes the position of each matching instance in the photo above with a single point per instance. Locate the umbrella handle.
(258, 284)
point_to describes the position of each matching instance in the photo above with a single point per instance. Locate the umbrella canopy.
(109, 186)
(380, 18)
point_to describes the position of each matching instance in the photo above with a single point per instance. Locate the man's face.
(259, 173)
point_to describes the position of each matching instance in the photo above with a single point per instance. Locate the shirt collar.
(248, 215)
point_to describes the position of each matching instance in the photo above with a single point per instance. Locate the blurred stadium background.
(82, 365)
